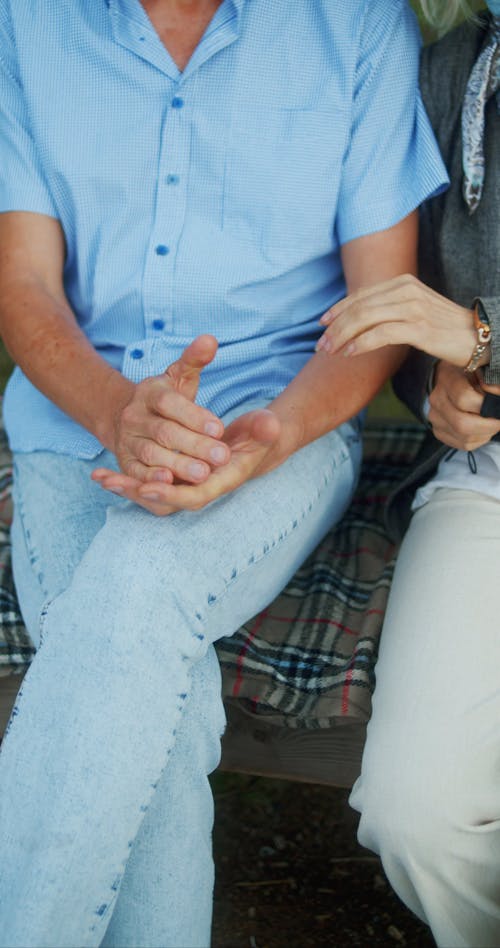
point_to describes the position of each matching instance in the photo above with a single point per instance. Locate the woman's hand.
(455, 403)
(401, 310)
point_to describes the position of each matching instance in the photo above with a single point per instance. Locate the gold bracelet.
(483, 329)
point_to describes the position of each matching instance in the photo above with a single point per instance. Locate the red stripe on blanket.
(318, 621)
(241, 657)
(345, 691)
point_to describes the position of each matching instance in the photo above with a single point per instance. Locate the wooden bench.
(297, 680)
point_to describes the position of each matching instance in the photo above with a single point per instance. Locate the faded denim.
(105, 809)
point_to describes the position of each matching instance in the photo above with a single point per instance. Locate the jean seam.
(213, 598)
(33, 556)
(43, 618)
(103, 910)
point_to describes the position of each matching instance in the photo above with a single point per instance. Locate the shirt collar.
(130, 21)
(129, 5)
(238, 5)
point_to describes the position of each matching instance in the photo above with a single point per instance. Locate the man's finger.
(259, 427)
(186, 371)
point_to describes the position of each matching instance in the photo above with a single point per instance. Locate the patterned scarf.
(484, 81)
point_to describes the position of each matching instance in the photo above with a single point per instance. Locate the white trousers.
(429, 791)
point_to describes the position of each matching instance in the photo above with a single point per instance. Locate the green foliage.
(5, 367)
(427, 32)
(385, 405)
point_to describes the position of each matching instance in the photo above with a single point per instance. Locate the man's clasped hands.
(176, 455)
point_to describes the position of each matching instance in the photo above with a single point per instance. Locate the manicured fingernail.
(196, 470)
(212, 429)
(114, 490)
(218, 454)
(149, 495)
(348, 350)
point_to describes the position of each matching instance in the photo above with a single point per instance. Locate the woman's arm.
(405, 310)
(401, 311)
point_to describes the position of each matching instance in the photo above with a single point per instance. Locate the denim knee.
(203, 720)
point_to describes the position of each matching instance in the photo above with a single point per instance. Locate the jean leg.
(167, 891)
(172, 854)
(58, 510)
(101, 705)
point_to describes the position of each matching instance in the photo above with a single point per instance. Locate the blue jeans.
(105, 809)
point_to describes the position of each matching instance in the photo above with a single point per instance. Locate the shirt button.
(177, 102)
(158, 324)
(172, 179)
(136, 354)
(162, 250)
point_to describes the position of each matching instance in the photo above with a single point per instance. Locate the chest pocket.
(281, 180)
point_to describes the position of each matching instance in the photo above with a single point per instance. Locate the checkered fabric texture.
(308, 660)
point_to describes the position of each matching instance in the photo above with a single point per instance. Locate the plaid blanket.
(308, 659)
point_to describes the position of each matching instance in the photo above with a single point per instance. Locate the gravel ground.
(290, 872)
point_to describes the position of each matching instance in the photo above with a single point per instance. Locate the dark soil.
(290, 873)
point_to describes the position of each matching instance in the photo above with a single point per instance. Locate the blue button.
(161, 250)
(177, 103)
(172, 179)
(136, 354)
(158, 324)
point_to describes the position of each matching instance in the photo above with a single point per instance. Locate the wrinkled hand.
(161, 434)
(455, 403)
(400, 311)
(249, 439)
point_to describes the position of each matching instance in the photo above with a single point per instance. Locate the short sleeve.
(392, 162)
(22, 183)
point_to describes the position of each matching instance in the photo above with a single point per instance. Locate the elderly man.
(185, 186)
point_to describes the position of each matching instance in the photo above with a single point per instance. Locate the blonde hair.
(442, 14)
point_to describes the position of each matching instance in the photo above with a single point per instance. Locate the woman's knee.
(423, 812)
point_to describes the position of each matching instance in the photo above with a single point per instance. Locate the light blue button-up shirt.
(212, 200)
